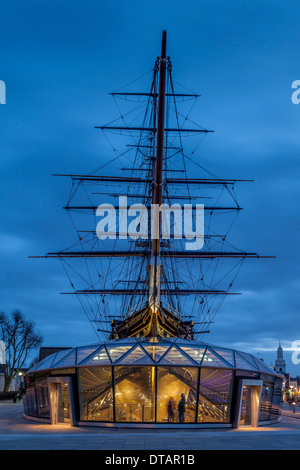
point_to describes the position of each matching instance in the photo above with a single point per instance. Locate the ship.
(149, 285)
(146, 277)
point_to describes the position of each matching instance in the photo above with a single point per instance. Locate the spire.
(280, 365)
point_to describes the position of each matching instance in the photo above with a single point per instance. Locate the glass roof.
(152, 351)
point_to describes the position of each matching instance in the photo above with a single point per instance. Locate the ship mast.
(155, 263)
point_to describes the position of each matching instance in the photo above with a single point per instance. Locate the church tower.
(280, 366)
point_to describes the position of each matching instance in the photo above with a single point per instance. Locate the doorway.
(61, 403)
(249, 402)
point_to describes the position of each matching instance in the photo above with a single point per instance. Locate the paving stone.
(17, 434)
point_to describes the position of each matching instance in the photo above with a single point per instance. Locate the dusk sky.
(59, 61)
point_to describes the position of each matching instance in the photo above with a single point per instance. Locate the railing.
(138, 412)
(135, 412)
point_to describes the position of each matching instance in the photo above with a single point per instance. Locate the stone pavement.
(17, 434)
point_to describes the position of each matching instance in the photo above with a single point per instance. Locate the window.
(176, 394)
(135, 393)
(29, 399)
(95, 394)
(215, 395)
(42, 395)
(277, 393)
(266, 397)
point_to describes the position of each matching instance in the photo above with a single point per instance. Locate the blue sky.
(60, 60)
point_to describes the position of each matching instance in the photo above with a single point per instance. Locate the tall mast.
(160, 137)
(155, 266)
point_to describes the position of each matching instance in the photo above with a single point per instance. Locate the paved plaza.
(17, 433)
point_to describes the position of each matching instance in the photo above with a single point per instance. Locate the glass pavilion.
(141, 381)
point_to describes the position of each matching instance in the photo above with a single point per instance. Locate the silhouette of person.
(181, 408)
(170, 411)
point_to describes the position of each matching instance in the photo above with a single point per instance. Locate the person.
(181, 408)
(170, 411)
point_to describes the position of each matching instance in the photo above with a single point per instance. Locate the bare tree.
(20, 338)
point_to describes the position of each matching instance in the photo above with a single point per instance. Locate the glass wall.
(135, 394)
(42, 395)
(177, 394)
(276, 398)
(63, 403)
(246, 406)
(163, 394)
(215, 394)
(95, 393)
(266, 397)
(30, 408)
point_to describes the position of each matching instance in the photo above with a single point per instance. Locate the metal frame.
(155, 423)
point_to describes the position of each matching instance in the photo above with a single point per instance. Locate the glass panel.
(99, 357)
(186, 342)
(276, 399)
(241, 363)
(59, 355)
(42, 396)
(156, 351)
(215, 395)
(195, 352)
(266, 398)
(226, 354)
(63, 403)
(249, 358)
(83, 353)
(95, 394)
(137, 356)
(262, 366)
(115, 352)
(45, 363)
(30, 407)
(245, 418)
(212, 360)
(174, 356)
(69, 371)
(176, 394)
(69, 360)
(135, 393)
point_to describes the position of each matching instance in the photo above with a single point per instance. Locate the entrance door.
(250, 394)
(60, 399)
